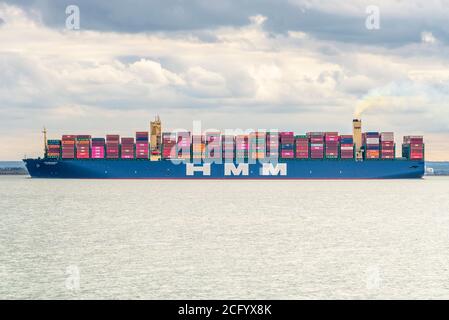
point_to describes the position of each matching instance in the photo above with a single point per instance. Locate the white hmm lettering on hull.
(241, 169)
(191, 169)
(268, 169)
(231, 169)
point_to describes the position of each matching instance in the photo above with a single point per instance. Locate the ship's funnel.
(357, 133)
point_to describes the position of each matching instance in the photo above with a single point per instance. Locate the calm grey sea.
(100, 239)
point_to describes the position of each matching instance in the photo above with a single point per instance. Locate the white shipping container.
(387, 136)
(372, 140)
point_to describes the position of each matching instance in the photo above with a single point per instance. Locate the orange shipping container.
(372, 154)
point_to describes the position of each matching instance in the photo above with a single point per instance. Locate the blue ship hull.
(166, 169)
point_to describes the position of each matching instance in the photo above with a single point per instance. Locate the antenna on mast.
(45, 141)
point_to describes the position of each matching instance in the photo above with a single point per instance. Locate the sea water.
(80, 239)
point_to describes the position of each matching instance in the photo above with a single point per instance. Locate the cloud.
(408, 100)
(249, 73)
(401, 21)
(152, 72)
(205, 83)
(80, 67)
(427, 37)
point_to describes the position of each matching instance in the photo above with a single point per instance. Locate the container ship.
(260, 154)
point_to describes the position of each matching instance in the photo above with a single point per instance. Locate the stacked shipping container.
(213, 146)
(198, 147)
(228, 145)
(371, 142)
(316, 145)
(127, 148)
(54, 149)
(169, 150)
(332, 144)
(272, 145)
(287, 145)
(68, 146)
(83, 146)
(241, 146)
(142, 145)
(98, 145)
(302, 147)
(112, 146)
(257, 145)
(387, 146)
(413, 147)
(184, 145)
(346, 147)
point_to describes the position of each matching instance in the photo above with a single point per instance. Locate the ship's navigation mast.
(44, 131)
(155, 139)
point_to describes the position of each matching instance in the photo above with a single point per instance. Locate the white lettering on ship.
(191, 169)
(269, 170)
(231, 169)
(242, 169)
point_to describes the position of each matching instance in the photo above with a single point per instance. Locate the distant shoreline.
(13, 172)
(13, 168)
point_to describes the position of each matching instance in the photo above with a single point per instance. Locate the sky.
(300, 65)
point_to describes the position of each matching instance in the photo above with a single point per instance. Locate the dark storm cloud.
(141, 16)
(179, 15)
